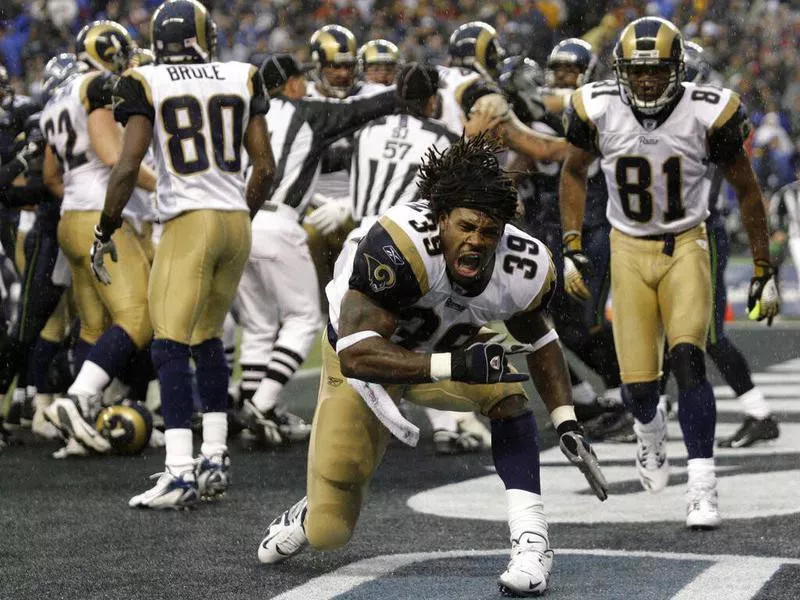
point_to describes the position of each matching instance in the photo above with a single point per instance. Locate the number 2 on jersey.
(634, 177)
(182, 117)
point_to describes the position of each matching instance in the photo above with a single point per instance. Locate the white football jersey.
(453, 81)
(386, 157)
(65, 123)
(199, 113)
(399, 265)
(656, 169)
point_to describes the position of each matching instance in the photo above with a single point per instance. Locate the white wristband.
(353, 339)
(440, 366)
(550, 336)
(561, 414)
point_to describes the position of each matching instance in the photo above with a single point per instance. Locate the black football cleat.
(751, 431)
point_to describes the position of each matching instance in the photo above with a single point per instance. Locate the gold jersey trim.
(409, 251)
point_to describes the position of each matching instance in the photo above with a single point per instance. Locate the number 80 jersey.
(399, 264)
(199, 114)
(656, 166)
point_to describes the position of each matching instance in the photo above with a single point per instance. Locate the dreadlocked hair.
(468, 175)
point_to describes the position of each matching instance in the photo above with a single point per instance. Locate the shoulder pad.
(96, 91)
(388, 266)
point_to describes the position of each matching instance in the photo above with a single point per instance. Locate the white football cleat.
(171, 491)
(72, 448)
(42, 427)
(213, 475)
(652, 465)
(286, 535)
(63, 413)
(528, 571)
(701, 503)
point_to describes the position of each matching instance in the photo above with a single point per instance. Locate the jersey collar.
(652, 122)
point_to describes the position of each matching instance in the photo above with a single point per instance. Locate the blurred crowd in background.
(751, 44)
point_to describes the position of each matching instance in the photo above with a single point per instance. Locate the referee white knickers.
(278, 297)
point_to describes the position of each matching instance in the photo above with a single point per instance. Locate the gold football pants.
(195, 273)
(654, 294)
(348, 442)
(122, 303)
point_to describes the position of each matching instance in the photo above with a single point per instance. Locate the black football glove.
(763, 300)
(483, 363)
(580, 453)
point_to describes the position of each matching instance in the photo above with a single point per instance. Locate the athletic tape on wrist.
(561, 414)
(354, 338)
(550, 336)
(441, 366)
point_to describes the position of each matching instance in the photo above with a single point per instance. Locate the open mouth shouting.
(468, 265)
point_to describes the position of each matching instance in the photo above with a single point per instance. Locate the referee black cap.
(417, 82)
(278, 68)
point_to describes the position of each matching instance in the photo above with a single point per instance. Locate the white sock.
(42, 401)
(655, 425)
(91, 380)
(18, 397)
(754, 405)
(266, 396)
(179, 450)
(215, 433)
(30, 391)
(612, 397)
(526, 520)
(700, 468)
(442, 419)
(583, 393)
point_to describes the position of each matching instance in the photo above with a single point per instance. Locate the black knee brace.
(688, 364)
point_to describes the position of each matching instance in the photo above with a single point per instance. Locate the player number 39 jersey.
(199, 114)
(656, 168)
(399, 264)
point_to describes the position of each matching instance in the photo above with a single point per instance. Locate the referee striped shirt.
(386, 157)
(301, 130)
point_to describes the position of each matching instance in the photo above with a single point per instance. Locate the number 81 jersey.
(399, 264)
(199, 114)
(656, 166)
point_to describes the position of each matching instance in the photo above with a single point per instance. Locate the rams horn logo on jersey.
(381, 276)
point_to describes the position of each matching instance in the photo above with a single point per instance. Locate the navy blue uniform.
(14, 113)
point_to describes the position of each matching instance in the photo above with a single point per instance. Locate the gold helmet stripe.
(485, 37)
(371, 53)
(328, 45)
(200, 26)
(665, 38)
(91, 47)
(628, 41)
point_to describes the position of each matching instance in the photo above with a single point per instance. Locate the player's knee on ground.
(688, 364)
(330, 522)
